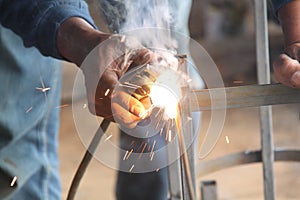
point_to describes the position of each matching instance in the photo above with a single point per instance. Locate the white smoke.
(149, 21)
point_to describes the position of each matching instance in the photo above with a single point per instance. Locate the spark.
(62, 106)
(13, 181)
(170, 135)
(238, 81)
(125, 155)
(131, 168)
(151, 156)
(132, 142)
(140, 145)
(161, 130)
(107, 91)
(140, 156)
(123, 38)
(129, 154)
(131, 84)
(108, 137)
(29, 109)
(153, 146)
(84, 106)
(227, 139)
(44, 90)
(168, 130)
(128, 86)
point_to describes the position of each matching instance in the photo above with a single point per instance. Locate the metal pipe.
(263, 74)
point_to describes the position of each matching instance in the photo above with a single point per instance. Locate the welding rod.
(243, 96)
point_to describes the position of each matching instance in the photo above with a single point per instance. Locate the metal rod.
(244, 157)
(244, 96)
(263, 74)
(87, 158)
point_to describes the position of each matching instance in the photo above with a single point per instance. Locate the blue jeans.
(29, 120)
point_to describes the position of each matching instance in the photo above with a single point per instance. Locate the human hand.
(102, 69)
(287, 67)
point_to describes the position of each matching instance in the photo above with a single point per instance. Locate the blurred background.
(225, 28)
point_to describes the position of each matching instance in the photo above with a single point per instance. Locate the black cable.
(87, 158)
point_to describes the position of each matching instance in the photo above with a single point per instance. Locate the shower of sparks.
(227, 139)
(29, 109)
(107, 91)
(13, 181)
(124, 158)
(84, 106)
(129, 154)
(62, 106)
(145, 145)
(108, 137)
(131, 168)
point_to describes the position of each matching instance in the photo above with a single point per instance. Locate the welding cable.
(87, 158)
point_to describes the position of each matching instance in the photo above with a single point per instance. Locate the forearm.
(76, 38)
(289, 17)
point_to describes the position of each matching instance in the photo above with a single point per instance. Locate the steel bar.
(245, 157)
(244, 96)
(263, 74)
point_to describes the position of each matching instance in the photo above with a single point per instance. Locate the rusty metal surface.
(245, 96)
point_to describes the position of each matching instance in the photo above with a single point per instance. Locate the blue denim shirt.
(29, 117)
(278, 4)
(37, 21)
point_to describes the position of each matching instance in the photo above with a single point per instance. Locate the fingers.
(287, 71)
(127, 110)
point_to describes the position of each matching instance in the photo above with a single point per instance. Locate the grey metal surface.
(245, 157)
(209, 190)
(185, 135)
(263, 74)
(245, 96)
(174, 175)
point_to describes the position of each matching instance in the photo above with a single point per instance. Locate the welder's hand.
(105, 65)
(287, 67)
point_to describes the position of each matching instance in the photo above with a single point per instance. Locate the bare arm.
(286, 66)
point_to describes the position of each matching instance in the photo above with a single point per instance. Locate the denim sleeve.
(278, 4)
(37, 21)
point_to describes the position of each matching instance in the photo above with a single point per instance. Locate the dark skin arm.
(286, 66)
(75, 40)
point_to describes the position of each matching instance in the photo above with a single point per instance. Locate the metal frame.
(267, 155)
